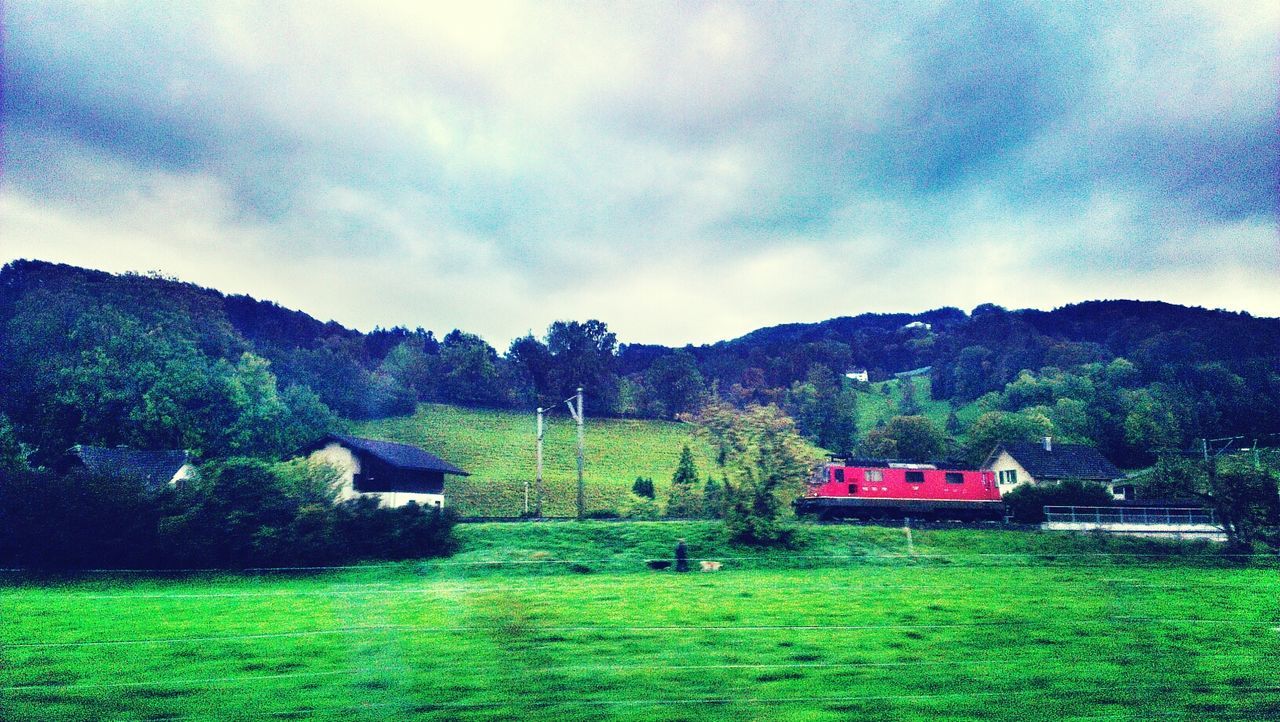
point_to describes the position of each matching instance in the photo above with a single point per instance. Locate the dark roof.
(153, 468)
(401, 456)
(1066, 461)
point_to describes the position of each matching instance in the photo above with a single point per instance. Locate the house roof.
(401, 456)
(153, 468)
(1065, 461)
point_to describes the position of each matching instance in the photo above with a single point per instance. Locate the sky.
(685, 172)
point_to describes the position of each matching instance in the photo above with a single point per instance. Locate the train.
(882, 489)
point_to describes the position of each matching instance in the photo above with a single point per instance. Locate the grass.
(875, 406)
(497, 447)
(586, 632)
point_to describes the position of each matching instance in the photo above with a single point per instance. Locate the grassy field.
(497, 447)
(563, 621)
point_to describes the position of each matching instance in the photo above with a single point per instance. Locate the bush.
(236, 513)
(408, 532)
(50, 521)
(639, 507)
(1027, 502)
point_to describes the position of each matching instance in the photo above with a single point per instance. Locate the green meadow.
(498, 448)
(565, 621)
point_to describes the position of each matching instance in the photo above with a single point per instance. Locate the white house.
(1019, 463)
(394, 474)
(857, 373)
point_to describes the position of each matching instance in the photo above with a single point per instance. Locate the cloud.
(684, 171)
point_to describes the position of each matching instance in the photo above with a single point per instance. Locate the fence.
(1161, 516)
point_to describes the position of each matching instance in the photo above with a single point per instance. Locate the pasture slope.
(876, 406)
(562, 621)
(497, 447)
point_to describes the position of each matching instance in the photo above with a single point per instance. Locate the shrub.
(639, 507)
(77, 520)
(1027, 502)
(236, 513)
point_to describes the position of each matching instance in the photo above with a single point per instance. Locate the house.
(1019, 463)
(917, 324)
(155, 469)
(857, 373)
(395, 474)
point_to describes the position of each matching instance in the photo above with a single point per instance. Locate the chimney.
(1048, 443)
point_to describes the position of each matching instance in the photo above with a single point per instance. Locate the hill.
(149, 361)
(497, 448)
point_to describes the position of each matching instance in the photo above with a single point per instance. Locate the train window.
(874, 475)
(915, 477)
(955, 477)
(853, 488)
(839, 474)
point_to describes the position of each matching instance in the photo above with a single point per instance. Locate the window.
(915, 477)
(839, 474)
(1009, 477)
(875, 475)
(955, 477)
(853, 488)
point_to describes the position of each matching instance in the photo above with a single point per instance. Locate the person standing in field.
(682, 556)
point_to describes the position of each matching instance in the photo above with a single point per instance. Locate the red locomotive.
(882, 489)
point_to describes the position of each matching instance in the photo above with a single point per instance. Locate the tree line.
(91, 357)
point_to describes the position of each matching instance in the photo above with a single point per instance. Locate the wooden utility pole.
(537, 503)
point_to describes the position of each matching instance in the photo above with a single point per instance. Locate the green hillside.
(497, 447)
(875, 405)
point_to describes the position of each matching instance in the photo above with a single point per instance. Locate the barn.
(151, 468)
(395, 474)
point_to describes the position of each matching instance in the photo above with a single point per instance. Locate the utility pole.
(577, 416)
(537, 504)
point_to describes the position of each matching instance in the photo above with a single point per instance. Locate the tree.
(997, 427)
(953, 426)
(713, 499)
(766, 465)
(907, 403)
(643, 487)
(13, 458)
(672, 385)
(685, 500)
(907, 437)
(470, 371)
(825, 408)
(1245, 496)
(583, 355)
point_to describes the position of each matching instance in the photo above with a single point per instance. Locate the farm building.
(1019, 463)
(155, 469)
(395, 474)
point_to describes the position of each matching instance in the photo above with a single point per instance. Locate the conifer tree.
(685, 499)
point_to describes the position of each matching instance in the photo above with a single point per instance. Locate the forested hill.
(91, 357)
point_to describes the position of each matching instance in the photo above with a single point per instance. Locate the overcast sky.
(685, 172)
